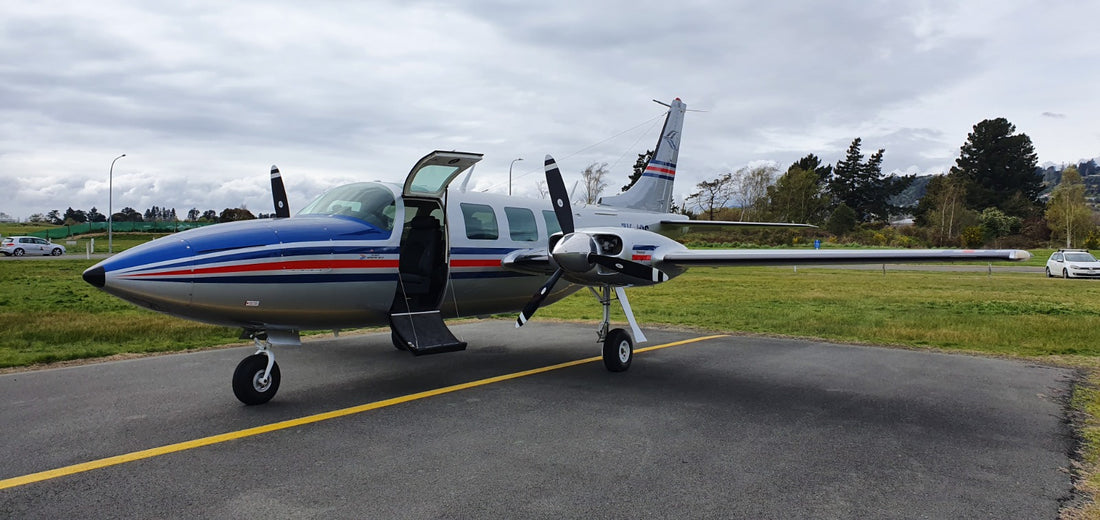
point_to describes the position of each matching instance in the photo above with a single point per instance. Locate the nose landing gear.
(257, 377)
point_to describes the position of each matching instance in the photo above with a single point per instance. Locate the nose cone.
(95, 276)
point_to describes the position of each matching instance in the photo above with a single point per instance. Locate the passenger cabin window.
(481, 222)
(551, 219)
(521, 224)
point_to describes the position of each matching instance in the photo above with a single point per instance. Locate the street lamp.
(510, 174)
(110, 204)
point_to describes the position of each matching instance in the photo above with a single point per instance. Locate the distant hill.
(912, 195)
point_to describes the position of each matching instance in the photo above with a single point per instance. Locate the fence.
(118, 227)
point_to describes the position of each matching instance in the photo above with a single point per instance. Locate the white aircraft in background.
(409, 256)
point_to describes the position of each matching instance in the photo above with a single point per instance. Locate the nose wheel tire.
(618, 350)
(248, 383)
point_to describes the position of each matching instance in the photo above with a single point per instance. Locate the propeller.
(577, 252)
(278, 193)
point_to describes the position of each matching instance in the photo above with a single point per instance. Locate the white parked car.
(19, 246)
(1073, 263)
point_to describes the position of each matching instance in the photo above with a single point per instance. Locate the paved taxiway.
(736, 427)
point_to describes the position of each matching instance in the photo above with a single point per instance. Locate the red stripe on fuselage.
(669, 171)
(476, 263)
(279, 266)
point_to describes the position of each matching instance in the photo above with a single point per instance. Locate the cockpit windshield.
(370, 202)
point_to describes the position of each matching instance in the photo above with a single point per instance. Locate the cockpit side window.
(369, 202)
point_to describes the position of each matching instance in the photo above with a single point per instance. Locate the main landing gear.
(257, 377)
(618, 348)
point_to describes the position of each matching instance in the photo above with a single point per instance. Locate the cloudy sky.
(204, 97)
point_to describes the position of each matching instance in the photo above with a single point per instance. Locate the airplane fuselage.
(336, 270)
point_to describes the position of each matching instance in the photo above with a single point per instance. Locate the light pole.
(510, 174)
(110, 205)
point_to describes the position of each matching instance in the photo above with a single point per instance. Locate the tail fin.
(653, 191)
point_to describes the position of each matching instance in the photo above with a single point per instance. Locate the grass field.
(48, 314)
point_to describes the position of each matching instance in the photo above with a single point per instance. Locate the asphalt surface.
(737, 427)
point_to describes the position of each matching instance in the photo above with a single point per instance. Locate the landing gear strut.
(257, 377)
(618, 348)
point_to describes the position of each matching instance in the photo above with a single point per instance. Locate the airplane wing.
(673, 228)
(750, 257)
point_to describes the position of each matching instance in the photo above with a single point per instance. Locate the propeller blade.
(630, 268)
(536, 300)
(559, 195)
(278, 192)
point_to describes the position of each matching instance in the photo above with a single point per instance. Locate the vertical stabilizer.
(653, 191)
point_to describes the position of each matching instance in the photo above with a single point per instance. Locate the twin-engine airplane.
(369, 254)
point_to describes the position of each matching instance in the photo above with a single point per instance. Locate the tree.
(999, 169)
(843, 220)
(209, 216)
(639, 168)
(862, 187)
(712, 195)
(543, 190)
(95, 216)
(235, 214)
(193, 214)
(75, 216)
(1067, 214)
(594, 183)
(996, 224)
(943, 209)
(799, 195)
(54, 217)
(751, 189)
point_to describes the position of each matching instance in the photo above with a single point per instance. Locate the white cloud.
(205, 96)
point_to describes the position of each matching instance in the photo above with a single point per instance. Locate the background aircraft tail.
(653, 191)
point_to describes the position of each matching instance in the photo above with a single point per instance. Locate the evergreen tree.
(862, 187)
(639, 168)
(999, 169)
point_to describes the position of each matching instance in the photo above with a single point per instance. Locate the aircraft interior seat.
(421, 254)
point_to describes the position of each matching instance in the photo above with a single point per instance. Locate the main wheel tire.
(397, 342)
(19, 252)
(618, 350)
(56, 251)
(1065, 273)
(246, 380)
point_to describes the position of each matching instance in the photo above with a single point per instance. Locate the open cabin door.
(415, 320)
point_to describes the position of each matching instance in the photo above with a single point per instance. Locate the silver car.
(1073, 263)
(19, 246)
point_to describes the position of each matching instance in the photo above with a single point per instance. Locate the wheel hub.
(260, 383)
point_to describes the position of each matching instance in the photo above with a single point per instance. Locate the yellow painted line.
(301, 421)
